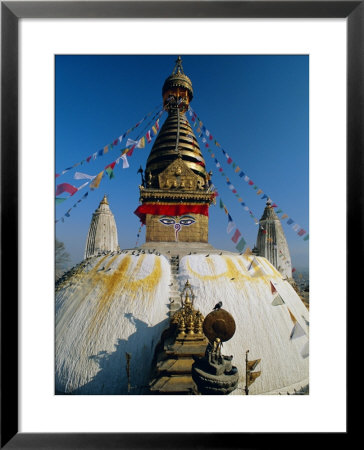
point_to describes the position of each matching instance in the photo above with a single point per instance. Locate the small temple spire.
(102, 235)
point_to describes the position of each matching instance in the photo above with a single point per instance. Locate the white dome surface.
(116, 304)
(246, 293)
(120, 303)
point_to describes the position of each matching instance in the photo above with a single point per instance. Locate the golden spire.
(176, 138)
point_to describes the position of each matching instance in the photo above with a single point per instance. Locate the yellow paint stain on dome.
(120, 281)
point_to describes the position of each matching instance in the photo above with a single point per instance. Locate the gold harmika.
(188, 320)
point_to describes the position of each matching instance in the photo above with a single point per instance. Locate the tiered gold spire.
(176, 138)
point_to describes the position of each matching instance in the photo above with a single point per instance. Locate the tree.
(62, 258)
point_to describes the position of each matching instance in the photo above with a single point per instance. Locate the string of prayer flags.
(234, 191)
(202, 129)
(115, 142)
(231, 225)
(67, 213)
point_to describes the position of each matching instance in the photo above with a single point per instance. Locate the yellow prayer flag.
(284, 216)
(259, 192)
(253, 376)
(237, 169)
(141, 143)
(95, 184)
(106, 149)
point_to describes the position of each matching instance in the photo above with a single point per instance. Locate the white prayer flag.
(297, 331)
(230, 227)
(125, 162)
(83, 176)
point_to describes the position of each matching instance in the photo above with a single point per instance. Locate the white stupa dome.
(118, 303)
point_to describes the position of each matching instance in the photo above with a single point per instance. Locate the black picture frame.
(11, 12)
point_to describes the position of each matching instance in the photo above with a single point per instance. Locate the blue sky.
(255, 106)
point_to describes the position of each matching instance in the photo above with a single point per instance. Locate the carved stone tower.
(271, 242)
(102, 234)
(175, 195)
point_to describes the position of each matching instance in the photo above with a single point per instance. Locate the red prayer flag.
(301, 232)
(236, 236)
(111, 165)
(130, 152)
(250, 182)
(65, 187)
(274, 205)
(293, 270)
(229, 161)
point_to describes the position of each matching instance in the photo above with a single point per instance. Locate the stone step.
(173, 385)
(176, 366)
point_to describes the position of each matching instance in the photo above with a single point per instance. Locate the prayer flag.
(106, 148)
(241, 244)
(96, 182)
(259, 192)
(157, 124)
(154, 130)
(65, 187)
(141, 143)
(130, 152)
(306, 238)
(250, 182)
(252, 377)
(296, 227)
(274, 205)
(247, 251)
(278, 300)
(264, 196)
(236, 236)
(284, 216)
(251, 365)
(221, 204)
(246, 178)
(231, 225)
(279, 211)
(83, 176)
(125, 161)
(301, 232)
(305, 351)
(297, 331)
(293, 270)
(272, 288)
(60, 200)
(115, 142)
(290, 221)
(229, 161)
(225, 209)
(88, 159)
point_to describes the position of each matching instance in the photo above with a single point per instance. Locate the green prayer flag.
(221, 204)
(234, 165)
(305, 238)
(60, 200)
(110, 172)
(241, 244)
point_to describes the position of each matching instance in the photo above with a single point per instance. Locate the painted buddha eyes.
(167, 221)
(184, 221)
(187, 221)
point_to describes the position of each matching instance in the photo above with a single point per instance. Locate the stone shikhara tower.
(271, 242)
(175, 192)
(102, 234)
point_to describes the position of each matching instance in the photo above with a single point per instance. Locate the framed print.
(249, 91)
